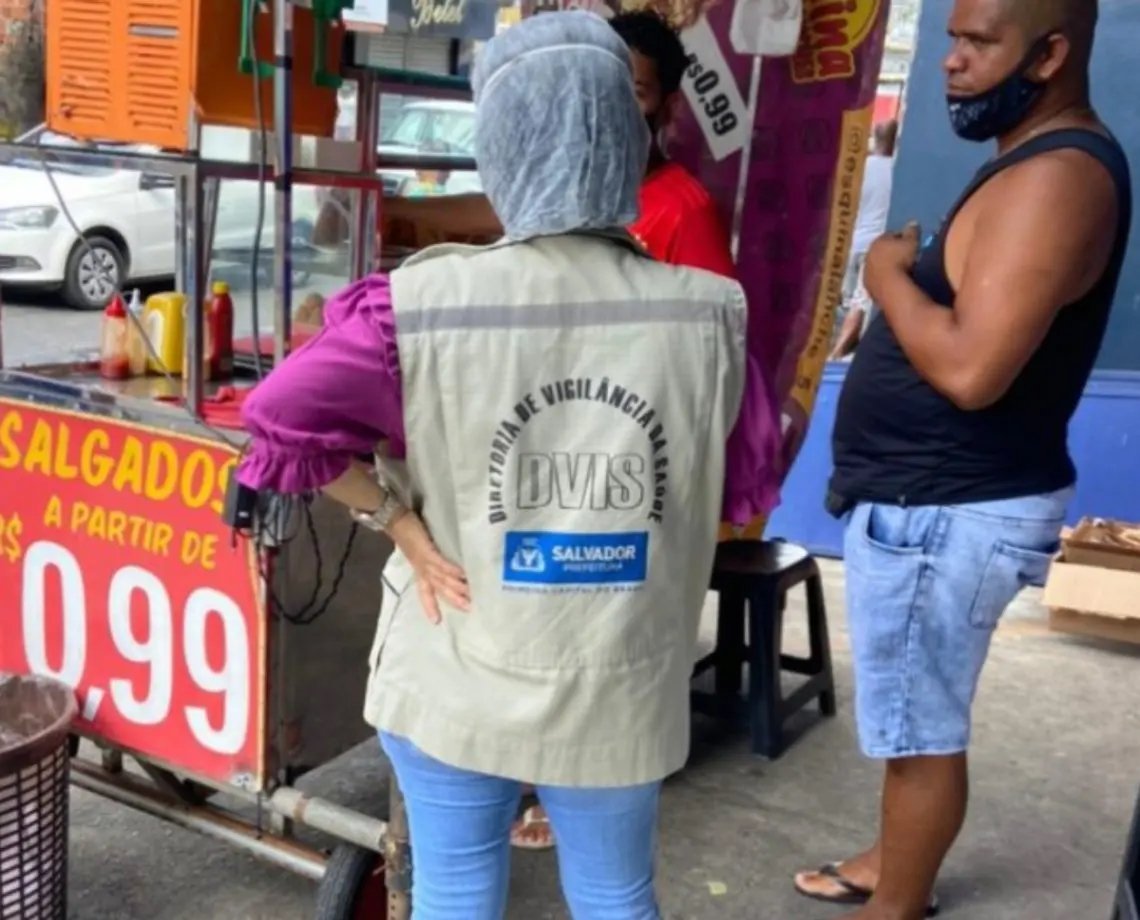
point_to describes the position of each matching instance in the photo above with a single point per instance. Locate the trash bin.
(35, 717)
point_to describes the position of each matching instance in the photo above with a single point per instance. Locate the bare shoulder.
(1051, 219)
(1068, 184)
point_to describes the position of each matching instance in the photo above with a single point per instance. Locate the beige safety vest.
(567, 402)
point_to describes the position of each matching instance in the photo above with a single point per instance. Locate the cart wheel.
(353, 887)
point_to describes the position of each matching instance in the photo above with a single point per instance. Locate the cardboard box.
(1094, 585)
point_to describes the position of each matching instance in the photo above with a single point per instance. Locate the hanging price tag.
(118, 577)
(712, 92)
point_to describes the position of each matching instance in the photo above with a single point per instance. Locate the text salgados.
(154, 469)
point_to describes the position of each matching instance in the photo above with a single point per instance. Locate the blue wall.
(933, 167)
(1104, 440)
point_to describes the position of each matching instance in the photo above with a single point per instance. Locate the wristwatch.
(383, 517)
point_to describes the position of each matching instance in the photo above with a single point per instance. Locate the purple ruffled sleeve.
(752, 456)
(333, 399)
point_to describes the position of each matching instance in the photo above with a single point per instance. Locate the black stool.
(755, 577)
(1127, 906)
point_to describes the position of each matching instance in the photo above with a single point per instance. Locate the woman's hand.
(436, 577)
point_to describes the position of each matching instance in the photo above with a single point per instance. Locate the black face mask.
(999, 110)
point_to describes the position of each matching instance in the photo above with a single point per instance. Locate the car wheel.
(95, 271)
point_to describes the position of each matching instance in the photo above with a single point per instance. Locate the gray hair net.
(559, 138)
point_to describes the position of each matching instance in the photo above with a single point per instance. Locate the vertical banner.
(809, 146)
(808, 134)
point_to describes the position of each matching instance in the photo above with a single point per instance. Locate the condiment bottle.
(114, 363)
(136, 336)
(165, 327)
(220, 332)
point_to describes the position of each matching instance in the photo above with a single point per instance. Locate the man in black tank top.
(951, 459)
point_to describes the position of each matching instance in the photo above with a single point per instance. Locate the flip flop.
(532, 832)
(850, 894)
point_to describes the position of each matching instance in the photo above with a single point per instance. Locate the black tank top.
(898, 441)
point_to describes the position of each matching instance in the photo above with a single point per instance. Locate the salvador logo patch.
(554, 559)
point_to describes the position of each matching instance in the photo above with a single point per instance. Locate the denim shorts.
(926, 587)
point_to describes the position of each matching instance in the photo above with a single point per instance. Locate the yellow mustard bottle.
(166, 329)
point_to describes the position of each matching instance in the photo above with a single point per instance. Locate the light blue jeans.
(460, 827)
(926, 587)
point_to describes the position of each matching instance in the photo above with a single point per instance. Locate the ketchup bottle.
(220, 320)
(114, 357)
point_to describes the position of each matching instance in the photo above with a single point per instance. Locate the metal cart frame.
(164, 791)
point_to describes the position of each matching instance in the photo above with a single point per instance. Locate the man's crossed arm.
(1042, 236)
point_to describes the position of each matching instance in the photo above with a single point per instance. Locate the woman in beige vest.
(561, 404)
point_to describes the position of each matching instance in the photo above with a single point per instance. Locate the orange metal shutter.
(121, 70)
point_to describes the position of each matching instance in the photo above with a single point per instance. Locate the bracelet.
(390, 510)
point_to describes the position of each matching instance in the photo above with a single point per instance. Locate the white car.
(446, 125)
(126, 218)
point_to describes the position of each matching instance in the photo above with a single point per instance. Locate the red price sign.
(118, 577)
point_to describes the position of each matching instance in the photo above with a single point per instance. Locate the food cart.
(228, 664)
(224, 664)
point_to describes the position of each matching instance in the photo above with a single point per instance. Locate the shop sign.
(473, 20)
(118, 577)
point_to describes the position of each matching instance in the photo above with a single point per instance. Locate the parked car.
(427, 124)
(126, 218)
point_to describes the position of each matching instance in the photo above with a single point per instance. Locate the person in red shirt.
(679, 222)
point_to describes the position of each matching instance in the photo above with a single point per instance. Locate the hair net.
(560, 141)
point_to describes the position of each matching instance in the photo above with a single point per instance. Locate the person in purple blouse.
(565, 422)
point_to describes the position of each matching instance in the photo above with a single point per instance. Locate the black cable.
(311, 611)
(311, 526)
(306, 618)
(275, 605)
(262, 166)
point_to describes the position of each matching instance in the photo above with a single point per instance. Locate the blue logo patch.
(544, 558)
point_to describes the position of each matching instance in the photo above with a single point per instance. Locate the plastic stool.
(753, 579)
